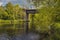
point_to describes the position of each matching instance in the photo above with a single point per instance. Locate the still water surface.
(16, 32)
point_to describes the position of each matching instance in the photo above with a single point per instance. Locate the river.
(16, 32)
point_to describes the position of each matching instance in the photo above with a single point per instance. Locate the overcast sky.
(20, 2)
(14, 1)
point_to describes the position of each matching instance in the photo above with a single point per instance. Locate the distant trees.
(18, 12)
(3, 13)
(11, 12)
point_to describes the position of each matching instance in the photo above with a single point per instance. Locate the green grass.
(11, 21)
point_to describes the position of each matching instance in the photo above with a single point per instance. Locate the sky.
(13, 1)
(22, 3)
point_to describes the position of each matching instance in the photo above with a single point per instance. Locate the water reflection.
(15, 32)
(7, 31)
(10, 27)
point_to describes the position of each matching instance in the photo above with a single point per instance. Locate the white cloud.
(1, 3)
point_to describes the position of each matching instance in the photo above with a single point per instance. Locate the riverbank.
(11, 21)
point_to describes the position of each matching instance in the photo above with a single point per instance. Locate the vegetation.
(46, 21)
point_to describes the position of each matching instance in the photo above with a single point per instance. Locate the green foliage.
(43, 21)
(3, 14)
(9, 10)
(55, 31)
(18, 12)
(44, 18)
(48, 15)
(38, 3)
(14, 11)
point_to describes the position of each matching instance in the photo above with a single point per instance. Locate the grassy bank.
(11, 21)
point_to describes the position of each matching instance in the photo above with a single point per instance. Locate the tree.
(14, 11)
(9, 10)
(3, 13)
(43, 3)
(18, 12)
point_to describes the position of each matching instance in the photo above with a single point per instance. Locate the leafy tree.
(3, 13)
(43, 3)
(18, 12)
(9, 10)
(14, 11)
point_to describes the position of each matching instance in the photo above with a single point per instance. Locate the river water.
(12, 32)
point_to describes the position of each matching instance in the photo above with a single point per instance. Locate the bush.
(55, 31)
